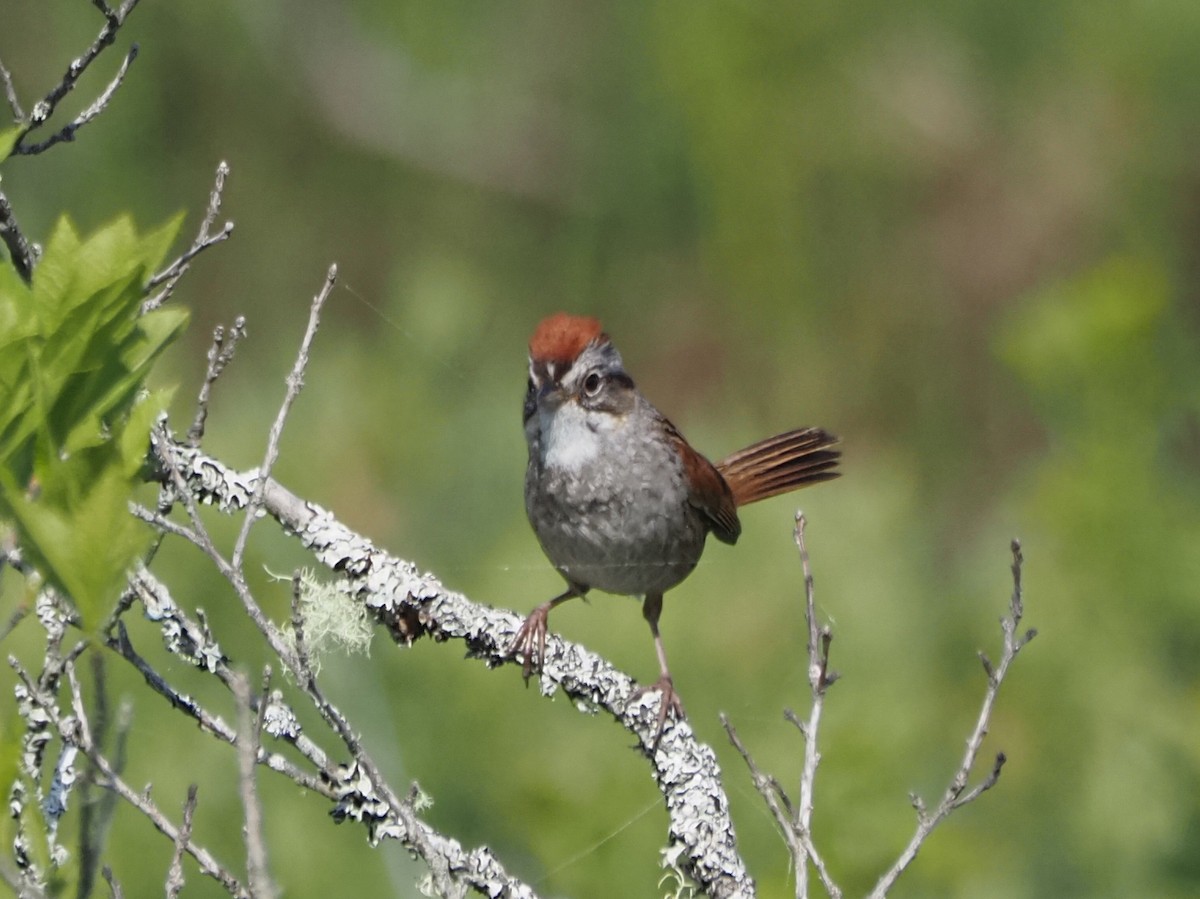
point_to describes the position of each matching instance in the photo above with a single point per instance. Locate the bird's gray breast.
(609, 504)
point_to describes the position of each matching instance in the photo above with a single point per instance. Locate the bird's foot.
(530, 642)
(669, 703)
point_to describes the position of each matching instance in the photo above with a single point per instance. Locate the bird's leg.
(530, 641)
(651, 609)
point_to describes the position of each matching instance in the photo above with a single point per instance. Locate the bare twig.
(105, 10)
(74, 730)
(18, 615)
(10, 557)
(768, 787)
(362, 793)
(199, 535)
(295, 382)
(171, 275)
(164, 524)
(367, 797)
(795, 821)
(11, 878)
(97, 106)
(819, 679)
(411, 604)
(10, 94)
(220, 354)
(95, 815)
(114, 886)
(44, 108)
(957, 794)
(174, 881)
(191, 642)
(23, 253)
(796, 824)
(249, 729)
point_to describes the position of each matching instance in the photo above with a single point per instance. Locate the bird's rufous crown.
(562, 337)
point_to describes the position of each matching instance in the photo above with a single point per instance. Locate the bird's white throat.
(572, 437)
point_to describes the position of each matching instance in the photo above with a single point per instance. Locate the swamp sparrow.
(618, 498)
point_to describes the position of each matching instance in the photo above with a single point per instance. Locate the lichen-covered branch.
(38, 704)
(411, 604)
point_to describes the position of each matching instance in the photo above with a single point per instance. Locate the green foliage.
(962, 235)
(1089, 347)
(11, 728)
(1115, 379)
(75, 352)
(8, 140)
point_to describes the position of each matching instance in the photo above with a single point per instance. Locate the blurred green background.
(962, 235)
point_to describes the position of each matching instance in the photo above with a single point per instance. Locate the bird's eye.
(592, 383)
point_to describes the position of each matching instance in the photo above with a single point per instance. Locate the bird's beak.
(550, 395)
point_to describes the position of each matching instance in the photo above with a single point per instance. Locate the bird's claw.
(670, 702)
(530, 643)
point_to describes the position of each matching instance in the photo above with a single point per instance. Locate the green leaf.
(84, 550)
(75, 352)
(102, 385)
(11, 728)
(156, 244)
(15, 303)
(91, 348)
(16, 326)
(133, 443)
(53, 276)
(73, 271)
(8, 140)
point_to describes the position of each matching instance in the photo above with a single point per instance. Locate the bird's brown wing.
(709, 492)
(780, 464)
